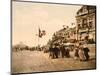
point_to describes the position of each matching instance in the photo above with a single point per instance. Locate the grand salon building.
(86, 22)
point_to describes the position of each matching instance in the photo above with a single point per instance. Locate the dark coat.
(86, 50)
(56, 50)
(62, 49)
(76, 52)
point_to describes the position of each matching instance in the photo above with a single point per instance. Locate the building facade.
(64, 35)
(86, 23)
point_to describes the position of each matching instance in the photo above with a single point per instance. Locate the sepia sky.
(27, 17)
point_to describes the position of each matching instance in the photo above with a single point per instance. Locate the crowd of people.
(80, 52)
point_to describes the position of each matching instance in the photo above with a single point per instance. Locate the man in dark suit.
(62, 49)
(56, 51)
(51, 49)
(86, 50)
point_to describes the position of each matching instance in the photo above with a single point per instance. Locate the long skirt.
(81, 55)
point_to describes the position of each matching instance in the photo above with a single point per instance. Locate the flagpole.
(40, 34)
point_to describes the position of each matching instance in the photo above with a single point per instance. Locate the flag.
(43, 32)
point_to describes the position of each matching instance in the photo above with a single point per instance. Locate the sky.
(28, 17)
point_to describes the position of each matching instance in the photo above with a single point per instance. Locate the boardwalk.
(37, 61)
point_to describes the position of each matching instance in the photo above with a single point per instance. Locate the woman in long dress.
(76, 55)
(81, 54)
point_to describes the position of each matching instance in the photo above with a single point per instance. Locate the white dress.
(81, 55)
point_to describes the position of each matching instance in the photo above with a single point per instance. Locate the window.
(84, 21)
(90, 24)
(84, 24)
(84, 9)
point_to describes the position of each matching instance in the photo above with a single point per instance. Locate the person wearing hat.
(76, 50)
(56, 51)
(62, 49)
(86, 50)
(51, 51)
(81, 53)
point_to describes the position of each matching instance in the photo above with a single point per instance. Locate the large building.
(64, 35)
(84, 29)
(86, 22)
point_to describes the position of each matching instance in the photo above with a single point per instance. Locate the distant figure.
(67, 50)
(76, 55)
(51, 49)
(56, 51)
(62, 49)
(86, 50)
